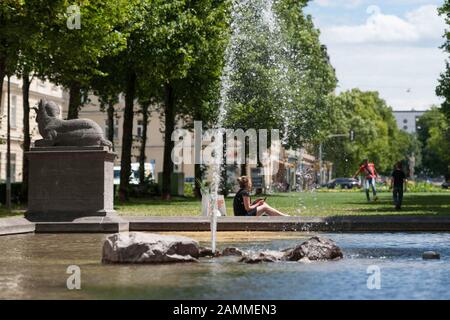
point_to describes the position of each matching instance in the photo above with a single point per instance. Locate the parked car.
(446, 185)
(344, 183)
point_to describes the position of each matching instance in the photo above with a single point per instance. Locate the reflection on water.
(34, 266)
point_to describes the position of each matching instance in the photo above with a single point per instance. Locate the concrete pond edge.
(113, 224)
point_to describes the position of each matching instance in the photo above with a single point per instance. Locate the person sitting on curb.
(243, 206)
(370, 174)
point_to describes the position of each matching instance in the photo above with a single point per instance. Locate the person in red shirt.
(370, 176)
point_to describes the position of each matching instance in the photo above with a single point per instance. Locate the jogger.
(370, 175)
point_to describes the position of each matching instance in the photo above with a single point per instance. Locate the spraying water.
(263, 19)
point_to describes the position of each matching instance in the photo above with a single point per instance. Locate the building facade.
(38, 90)
(407, 120)
(290, 161)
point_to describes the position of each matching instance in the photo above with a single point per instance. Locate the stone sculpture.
(58, 132)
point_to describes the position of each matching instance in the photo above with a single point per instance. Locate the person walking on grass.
(397, 181)
(370, 175)
(243, 206)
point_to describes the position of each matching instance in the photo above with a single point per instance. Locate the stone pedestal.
(67, 183)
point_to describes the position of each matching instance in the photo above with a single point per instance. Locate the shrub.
(16, 193)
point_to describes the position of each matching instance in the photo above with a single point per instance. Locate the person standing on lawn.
(397, 181)
(370, 175)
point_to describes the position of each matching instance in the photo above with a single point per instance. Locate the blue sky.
(388, 46)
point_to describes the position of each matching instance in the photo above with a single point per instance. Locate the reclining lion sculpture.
(58, 132)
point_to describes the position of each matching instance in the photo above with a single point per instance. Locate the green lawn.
(299, 204)
(306, 204)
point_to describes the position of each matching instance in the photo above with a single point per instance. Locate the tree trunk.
(198, 179)
(110, 112)
(127, 137)
(2, 76)
(143, 143)
(223, 170)
(244, 166)
(198, 172)
(26, 132)
(169, 124)
(74, 100)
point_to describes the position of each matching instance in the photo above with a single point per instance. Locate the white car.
(134, 176)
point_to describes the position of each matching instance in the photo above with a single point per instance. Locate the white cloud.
(406, 76)
(420, 25)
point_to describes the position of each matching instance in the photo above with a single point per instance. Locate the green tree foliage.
(434, 135)
(376, 134)
(186, 46)
(11, 35)
(281, 77)
(443, 89)
(312, 78)
(438, 142)
(70, 55)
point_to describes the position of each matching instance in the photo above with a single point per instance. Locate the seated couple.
(243, 206)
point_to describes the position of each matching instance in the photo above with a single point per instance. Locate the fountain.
(267, 21)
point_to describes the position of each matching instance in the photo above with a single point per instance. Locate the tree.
(107, 86)
(443, 89)
(311, 77)
(438, 131)
(199, 92)
(20, 41)
(433, 134)
(10, 25)
(71, 51)
(376, 134)
(281, 77)
(178, 33)
(142, 157)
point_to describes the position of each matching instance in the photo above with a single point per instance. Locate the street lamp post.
(8, 150)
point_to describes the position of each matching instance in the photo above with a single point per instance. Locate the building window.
(13, 118)
(405, 127)
(405, 121)
(140, 128)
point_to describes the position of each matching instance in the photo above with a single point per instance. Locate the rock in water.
(316, 248)
(232, 251)
(140, 247)
(427, 255)
(207, 252)
(265, 256)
